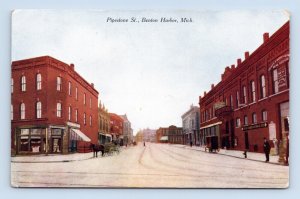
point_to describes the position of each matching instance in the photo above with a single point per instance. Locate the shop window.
(264, 115)
(38, 81)
(23, 83)
(254, 118)
(58, 84)
(58, 110)
(275, 80)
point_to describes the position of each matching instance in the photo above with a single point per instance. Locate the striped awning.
(78, 135)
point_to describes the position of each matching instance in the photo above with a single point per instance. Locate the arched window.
(58, 110)
(38, 81)
(253, 94)
(23, 83)
(254, 118)
(275, 80)
(262, 87)
(39, 110)
(22, 110)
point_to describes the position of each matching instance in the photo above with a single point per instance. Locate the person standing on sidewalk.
(267, 149)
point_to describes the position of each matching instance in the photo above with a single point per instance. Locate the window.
(58, 110)
(254, 118)
(76, 115)
(70, 87)
(275, 80)
(262, 86)
(58, 83)
(23, 83)
(245, 120)
(84, 98)
(90, 120)
(231, 101)
(244, 95)
(237, 99)
(38, 81)
(69, 113)
(90, 102)
(11, 112)
(22, 108)
(12, 85)
(84, 118)
(253, 95)
(264, 115)
(38, 110)
(76, 93)
(238, 122)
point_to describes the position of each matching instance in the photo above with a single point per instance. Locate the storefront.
(31, 140)
(210, 130)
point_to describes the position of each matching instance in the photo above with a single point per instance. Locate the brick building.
(104, 124)
(252, 100)
(116, 127)
(171, 134)
(53, 109)
(127, 130)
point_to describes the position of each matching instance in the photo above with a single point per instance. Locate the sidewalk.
(259, 157)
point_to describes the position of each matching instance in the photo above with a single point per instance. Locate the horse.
(96, 148)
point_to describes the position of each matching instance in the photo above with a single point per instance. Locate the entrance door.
(246, 140)
(56, 145)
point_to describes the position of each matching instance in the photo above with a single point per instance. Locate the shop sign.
(255, 126)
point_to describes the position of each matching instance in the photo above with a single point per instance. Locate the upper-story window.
(76, 115)
(70, 88)
(237, 99)
(90, 102)
(23, 83)
(275, 80)
(12, 85)
(69, 113)
(58, 84)
(244, 95)
(254, 118)
(38, 110)
(11, 112)
(84, 98)
(58, 110)
(238, 122)
(264, 114)
(84, 118)
(38, 81)
(245, 120)
(231, 101)
(22, 110)
(253, 94)
(262, 87)
(90, 120)
(76, 93)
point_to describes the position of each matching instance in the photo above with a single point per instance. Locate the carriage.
(212, 144)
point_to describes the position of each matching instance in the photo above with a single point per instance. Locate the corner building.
(252, 100)
(53, 109)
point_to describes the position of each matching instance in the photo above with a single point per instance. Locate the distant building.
(139, 137)
(149, 135)
(53, 109)
(116, 127)
(127, 130)
(252, 100)
(171, 134)
(191, 126)
(104, 125)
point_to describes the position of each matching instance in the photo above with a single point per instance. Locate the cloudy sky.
(152, 72)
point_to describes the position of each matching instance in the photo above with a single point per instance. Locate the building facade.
(116, 127)
(53, 109)
(252, 100)
(191, 126)
(171, 134)
(149, 135)
(127, 130)
(104, 125)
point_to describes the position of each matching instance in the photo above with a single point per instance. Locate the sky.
(150, 71)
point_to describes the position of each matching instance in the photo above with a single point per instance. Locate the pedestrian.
(191, 143)
(267, 149)
(144, 144)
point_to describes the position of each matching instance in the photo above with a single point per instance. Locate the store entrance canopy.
(80, 136)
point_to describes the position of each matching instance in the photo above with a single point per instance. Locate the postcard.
(150, 99)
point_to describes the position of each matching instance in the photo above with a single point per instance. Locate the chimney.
(212, 86)
(232, 66)
(204, 93)
(239, 61)
(92, 84)
(266, 37)
(72, 66)
(246, 54)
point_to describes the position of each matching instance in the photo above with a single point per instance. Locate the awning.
(80, 136)
(164, 138)
(210, 125)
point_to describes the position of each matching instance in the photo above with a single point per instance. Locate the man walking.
(267, 149)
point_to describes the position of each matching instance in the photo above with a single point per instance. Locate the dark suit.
(267, 148)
